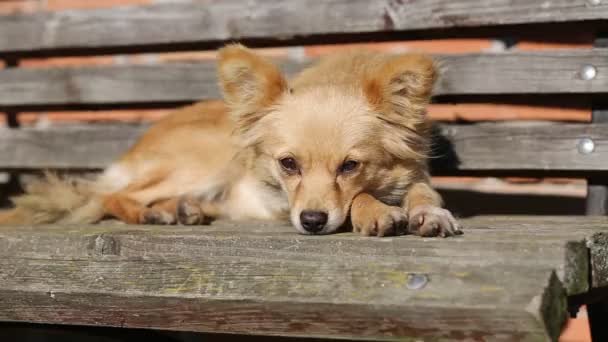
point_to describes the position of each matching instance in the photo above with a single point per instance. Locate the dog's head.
(325, 143)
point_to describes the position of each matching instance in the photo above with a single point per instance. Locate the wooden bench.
(510, 278)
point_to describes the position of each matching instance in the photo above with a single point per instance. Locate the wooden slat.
(264, 278)
(187, 22)
(522, 146)
(505, 73)
(80, 147)
(485, 147)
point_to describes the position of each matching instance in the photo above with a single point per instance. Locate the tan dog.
(346, 138)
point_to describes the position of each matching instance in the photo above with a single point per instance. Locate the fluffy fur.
(345, 142)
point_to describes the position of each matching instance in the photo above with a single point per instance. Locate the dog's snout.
(313, 221)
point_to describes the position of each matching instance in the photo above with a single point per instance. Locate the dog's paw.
(381, 220)
(428, 221)
(156, 217)
(189, 212)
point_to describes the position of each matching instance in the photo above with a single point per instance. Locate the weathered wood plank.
(263, 278)
(188, 22)
(505, 73)
(273, 318)
(80, 147)
(524, 146)
(458, 148)
(544, 72)
(510, 246)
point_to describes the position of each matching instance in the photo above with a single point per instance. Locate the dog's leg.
(186, 210)
(426, 217)
(126, 205)
(123, 208)
(369, 216)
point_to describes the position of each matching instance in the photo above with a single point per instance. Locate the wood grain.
(521, 146)
(264, 278)
(457, 148)
(544, 72)
(77, 147)
(190, 22)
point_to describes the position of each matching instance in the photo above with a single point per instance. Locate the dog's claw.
(429, 221)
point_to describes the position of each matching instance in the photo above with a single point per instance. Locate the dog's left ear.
(401, 85)
(249, 83)
(399, 90)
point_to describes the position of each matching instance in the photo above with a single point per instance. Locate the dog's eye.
(348, 166)
(289, 164)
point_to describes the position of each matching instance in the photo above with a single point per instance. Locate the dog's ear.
(401, 84)
(249, 82)
(399, 90)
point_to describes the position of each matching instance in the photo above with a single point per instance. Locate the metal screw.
(588, 72)
(416, 281)
(594, 2)
(586, 146)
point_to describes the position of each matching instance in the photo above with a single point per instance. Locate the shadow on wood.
(470, 203)
(50, 332)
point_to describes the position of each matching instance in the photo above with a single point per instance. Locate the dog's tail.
(55, 200)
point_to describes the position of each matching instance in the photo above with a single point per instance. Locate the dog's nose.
(313, 221)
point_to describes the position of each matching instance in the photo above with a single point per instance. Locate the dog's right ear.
(249, 82)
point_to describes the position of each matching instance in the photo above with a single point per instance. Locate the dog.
(344, 143)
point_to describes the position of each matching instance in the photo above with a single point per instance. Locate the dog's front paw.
(379, 220)
(156, 217)
(189, 212)
(428, 220)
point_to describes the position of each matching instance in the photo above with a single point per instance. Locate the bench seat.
(506, 277)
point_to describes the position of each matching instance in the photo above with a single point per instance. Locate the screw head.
(416, 281)
(586, 146)
(588, 72)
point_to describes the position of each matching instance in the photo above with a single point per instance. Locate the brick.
(539, 42)
(506, 112)
(66, 61)
(12, 7)
(577, 329)
(426, 46)
(193, 56)
(130, 116)
(573, 188)
(57, 5)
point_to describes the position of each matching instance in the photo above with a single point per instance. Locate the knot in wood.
(106, 245)
(416, 281)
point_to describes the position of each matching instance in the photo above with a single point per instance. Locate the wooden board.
(544, 72)
(521, 146)
(78, 147)
(457, 148)
(264, 278)
(191, 22)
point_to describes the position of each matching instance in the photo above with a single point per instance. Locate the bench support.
(597, 204)
(12, 186)
(597, 313)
